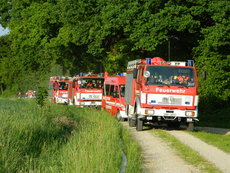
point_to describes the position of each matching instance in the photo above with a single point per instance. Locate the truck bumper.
(168, 115)
(62, 100)
(88, 103)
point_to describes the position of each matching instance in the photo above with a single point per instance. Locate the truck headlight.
(190, 113)
(82, 103)
(149, 112)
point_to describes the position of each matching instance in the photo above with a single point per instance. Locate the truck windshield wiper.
(161, 83)
(180, 84)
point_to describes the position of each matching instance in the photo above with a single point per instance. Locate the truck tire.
(118, 116)
(132, 122)
(139, 125)
(190, 126)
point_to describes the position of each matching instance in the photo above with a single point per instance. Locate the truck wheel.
(132, 122)
(118, 115)
(139, 125)
(190, 126)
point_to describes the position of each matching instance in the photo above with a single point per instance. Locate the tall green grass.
(62, 138)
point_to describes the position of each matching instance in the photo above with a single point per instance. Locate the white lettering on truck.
(161, 90)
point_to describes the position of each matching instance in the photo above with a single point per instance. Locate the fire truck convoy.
(113, 95)
(158, 91)
(153, 91)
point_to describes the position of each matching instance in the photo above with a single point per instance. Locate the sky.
(3, 31)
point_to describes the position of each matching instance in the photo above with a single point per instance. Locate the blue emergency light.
(190, 62)
(148, 60)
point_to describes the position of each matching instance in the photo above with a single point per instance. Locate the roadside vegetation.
(219, 118)
(58, 138)
(186, 153)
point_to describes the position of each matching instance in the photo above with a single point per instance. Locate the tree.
(213, 56)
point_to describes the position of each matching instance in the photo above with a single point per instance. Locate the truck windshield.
(96, 83)
(122, 90)
(63, 85)
(171, 76)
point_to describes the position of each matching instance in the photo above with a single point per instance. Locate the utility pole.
(168, 49)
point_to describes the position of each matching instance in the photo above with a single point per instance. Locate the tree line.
(66, 37)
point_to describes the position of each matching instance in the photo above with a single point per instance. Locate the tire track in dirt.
(158, 156)
(214, 155)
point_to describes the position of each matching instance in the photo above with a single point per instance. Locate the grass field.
(60, 138)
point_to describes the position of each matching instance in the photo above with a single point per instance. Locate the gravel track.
(214, 155)
(158, 156)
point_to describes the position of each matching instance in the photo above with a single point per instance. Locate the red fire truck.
(60, 89)
(113, 96)
(87, 90)
(160, 91)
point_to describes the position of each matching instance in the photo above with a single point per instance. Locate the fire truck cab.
(60, 89)
(87, 90)
(158, 91)
(113, 96)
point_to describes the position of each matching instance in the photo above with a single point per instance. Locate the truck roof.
(120, 80)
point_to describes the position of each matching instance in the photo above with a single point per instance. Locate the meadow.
(60, 138)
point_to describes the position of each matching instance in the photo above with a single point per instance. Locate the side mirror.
(115, 95)
(204, 75)
(147, 74)
(135, 71)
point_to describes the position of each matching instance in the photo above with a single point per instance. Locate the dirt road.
(160, 158)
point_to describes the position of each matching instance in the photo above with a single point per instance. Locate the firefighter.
(65, 87)
(89, 84)
(183, 78)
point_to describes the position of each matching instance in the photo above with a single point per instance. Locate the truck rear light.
(149, 112)
(190, 113)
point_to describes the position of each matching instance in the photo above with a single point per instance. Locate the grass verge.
(60, 138)
(133, 152)
(186, 153)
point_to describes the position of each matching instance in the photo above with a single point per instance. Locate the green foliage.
(41, 96)
(213, 56)
(81, 36)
